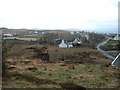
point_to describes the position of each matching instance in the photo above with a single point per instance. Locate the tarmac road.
(104, 52)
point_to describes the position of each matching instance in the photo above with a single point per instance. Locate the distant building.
(65, 45)
(77, 41)
(69, 44)
(36, 32)
(62, 44)
(117, 37)
(87, 37)
(15, 35)
(8, 35)
(72, 32)
(77, 32)
(43, 32)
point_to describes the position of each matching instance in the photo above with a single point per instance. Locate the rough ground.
(66, 68)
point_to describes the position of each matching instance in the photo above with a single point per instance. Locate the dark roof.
(68, 43)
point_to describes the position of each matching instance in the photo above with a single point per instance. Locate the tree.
(48, 38)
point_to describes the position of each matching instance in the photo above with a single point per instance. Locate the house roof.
(68, 43)
(77, 40)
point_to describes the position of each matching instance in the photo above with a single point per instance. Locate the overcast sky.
(94, 15)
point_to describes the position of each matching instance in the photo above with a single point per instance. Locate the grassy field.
(26, 39)
(89, 76)
(111, 45)
(66, 68)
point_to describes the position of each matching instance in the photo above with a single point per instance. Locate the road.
(116, 60)
(104, 52)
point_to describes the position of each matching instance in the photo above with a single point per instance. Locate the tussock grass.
(45, 74)
(67, 68)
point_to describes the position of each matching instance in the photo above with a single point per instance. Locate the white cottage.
(8, 35)
(69, 44)
(36, 32)
(43, 32)
(65, 45)
(72, 32)
(87, 37)
(62, 44)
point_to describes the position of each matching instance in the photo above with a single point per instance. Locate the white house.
(116, 60)
(65, 45)
(36, 32)
(62, 44)
(87, 37)
(77, 32)
(72, 32)
(69, 44)
(43, 32)
(77, 41)
(8, 35)
(117, 37)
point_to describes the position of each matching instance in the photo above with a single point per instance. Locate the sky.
(90, 15)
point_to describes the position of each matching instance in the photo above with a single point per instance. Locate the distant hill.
(14, 31)
(22, 31)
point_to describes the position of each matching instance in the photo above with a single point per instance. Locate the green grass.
(26, 39)
(96, 74)
(91, 76)
(111, 45)
(83, 55)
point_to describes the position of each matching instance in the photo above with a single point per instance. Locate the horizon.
(74, 30)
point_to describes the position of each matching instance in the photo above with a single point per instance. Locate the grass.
(81, 55)
(26, 39)
(93, 70)
(111, 45)
(90, 76)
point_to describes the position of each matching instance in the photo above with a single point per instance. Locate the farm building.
(65, 45)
